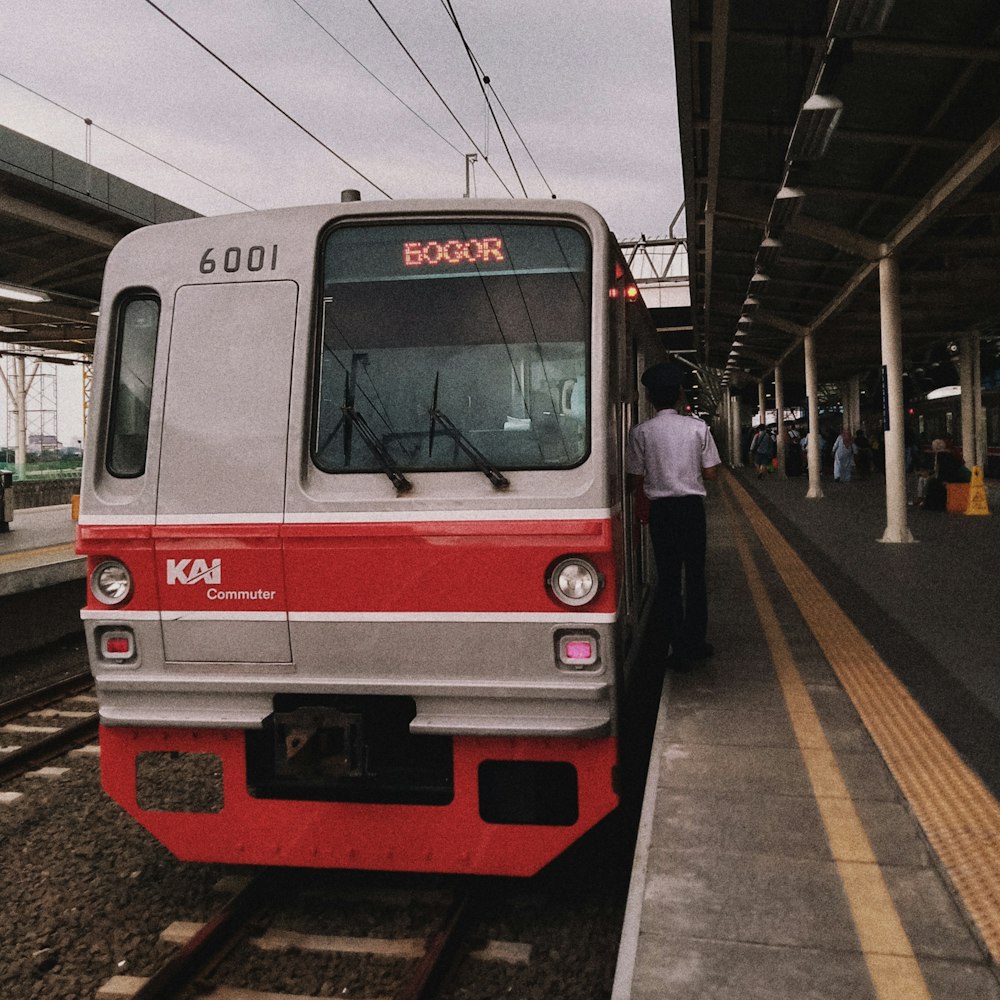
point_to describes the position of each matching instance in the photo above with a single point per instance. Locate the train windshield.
(450, 346)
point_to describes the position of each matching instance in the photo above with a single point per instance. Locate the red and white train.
(362, 576)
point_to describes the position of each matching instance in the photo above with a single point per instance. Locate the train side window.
(138, 319)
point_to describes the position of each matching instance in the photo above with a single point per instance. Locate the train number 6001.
(234, 259)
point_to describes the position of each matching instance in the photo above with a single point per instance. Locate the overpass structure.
(59, 219)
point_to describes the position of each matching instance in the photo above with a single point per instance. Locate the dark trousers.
(677, 530)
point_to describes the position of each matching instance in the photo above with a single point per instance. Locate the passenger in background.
(878, 455)
(805, 449)
(944, 468)
(762, 450)
(793, 451)
(843, 457)
(863, 458)
(670, 456)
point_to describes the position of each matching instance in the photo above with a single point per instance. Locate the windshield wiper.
(485, 466)
(354, 419)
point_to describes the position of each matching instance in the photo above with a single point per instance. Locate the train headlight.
(111, 582)
(574, 581)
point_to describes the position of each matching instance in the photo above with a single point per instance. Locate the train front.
(372, 608)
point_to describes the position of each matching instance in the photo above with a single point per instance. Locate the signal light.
(116, 644)
(576, 650)
(631, 292)
(612, 293)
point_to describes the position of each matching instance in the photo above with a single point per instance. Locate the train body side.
(376, 678)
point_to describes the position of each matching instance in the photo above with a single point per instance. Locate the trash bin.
(6, 499)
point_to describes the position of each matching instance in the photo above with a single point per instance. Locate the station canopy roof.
(818, 137)
(59, 219)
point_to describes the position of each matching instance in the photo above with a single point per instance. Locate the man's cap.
(663, 376)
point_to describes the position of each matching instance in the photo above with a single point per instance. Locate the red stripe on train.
(402, 567)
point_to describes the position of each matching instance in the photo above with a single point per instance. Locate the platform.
(39, 550)
(809, 829)
(42, 580)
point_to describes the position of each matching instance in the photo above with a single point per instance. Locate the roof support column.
(812, 398)
(896, 529)
(735, 432)
(761, 403)
(852, 404)
(779, 407)
(725, 425)
(972, 399)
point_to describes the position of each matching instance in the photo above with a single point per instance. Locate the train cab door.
(220, 499)
(623, 336)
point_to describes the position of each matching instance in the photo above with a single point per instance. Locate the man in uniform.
(669, 458)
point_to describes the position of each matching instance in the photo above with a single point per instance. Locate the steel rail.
(442, 946)
(215, 939)
(13, 765)
(45, 696)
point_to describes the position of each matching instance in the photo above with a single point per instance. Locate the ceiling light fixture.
(859, 17)
(814, 127)
(787, 203)
(767, 253)
(22, 293)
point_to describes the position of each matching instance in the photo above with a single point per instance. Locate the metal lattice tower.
(32, 405)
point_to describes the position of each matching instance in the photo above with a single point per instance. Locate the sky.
(588, 84)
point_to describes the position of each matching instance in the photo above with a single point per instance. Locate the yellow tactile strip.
(26, 555)
(957, 812)
(885, 946)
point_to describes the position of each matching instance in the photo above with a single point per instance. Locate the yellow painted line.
(888, 954)
(25, 554)
(959, 815)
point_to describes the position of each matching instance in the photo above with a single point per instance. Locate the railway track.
(45, 744)
(191, 969)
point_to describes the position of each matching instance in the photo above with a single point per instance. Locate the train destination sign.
(417, 250)
(475, 251)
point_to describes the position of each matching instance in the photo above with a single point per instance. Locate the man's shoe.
(679, 664)
(703, 652)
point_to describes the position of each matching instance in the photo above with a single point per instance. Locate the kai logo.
(189, 571)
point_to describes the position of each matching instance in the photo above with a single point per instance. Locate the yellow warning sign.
(977, 493)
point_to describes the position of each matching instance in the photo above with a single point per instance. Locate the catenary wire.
(384, 86)
(114, 135)
(277, 107)
(454, 20)
(479, 79)
(409, 55)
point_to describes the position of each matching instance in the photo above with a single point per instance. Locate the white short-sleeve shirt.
(669, 451)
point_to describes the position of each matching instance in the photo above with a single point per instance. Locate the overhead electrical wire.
(384, 86)
(114, 135)
(486, 80)
(399, 41)
(277, 107)
(481, 79)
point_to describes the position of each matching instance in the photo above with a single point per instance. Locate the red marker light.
(579, 649)
(612, 293)
(121, 646)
